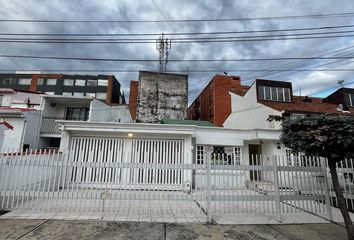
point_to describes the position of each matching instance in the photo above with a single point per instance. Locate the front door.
(255, 152)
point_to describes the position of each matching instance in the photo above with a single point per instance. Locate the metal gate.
(117, 163)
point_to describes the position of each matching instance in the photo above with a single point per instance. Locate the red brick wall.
(218, 107)
(133, 98)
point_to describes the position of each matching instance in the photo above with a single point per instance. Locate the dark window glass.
(287, 94)
(352, 98)
(280, 94)
(267, 93)
(91, 83)
(274, 94)
(261, 92)
(78, 114)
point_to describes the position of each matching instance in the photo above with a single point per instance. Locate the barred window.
(200, 154)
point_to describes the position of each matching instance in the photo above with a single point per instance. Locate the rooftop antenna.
(163, 46)
(340, 82)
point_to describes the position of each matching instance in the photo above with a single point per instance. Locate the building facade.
(103, 87)
(267, 103)
(214, 103)
(161, 96)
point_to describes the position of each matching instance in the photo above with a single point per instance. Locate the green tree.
(328, 136)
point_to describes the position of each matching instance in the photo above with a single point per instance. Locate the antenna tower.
(163, 46)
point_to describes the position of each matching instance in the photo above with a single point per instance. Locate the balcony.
(49, 126)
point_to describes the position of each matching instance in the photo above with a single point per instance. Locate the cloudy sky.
(309, 82)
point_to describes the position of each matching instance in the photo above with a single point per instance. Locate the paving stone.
(15, 228)
(96, 230)
(322, 231)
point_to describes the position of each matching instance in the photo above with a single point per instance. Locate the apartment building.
(103, 87)
(214, 103)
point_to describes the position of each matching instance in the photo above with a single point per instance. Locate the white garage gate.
(127, 163)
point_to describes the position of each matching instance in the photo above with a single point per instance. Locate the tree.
(328, 136)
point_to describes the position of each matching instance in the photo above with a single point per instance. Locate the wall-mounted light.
(130, 135)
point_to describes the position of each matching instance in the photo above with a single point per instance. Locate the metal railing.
(50, 126)
(111, 175)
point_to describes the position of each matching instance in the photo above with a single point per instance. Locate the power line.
(175, 33)
(180, 38)
(291, 17)
(178, 70)
(329, 89)
(174, 60)
(236, 39)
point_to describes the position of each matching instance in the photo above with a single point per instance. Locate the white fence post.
(276, 186)
(208, 160)
(326, 189)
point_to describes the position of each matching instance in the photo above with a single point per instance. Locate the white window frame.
(24, 81)
(102, 82)
(80, 82)
(69, 82)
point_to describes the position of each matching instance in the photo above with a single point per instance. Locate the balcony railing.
(50, 126)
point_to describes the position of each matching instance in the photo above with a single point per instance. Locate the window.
(237, 156)
(50, 93)
(200, 154)
(280, 92)
(267, 93)
(7, 81)
(261, 92)
(51, 81)
(274, 93)
(68, 82)
(101, 95)
(80, 82)
(67, 93)
(102, 82)
(349, 99)
(77, 114)
(1, 96)
(24, 81)
(287, 94)
(79, 94)
(40, 81)
(91, 83)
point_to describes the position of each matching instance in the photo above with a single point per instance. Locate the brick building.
(158, 96)
(214, 103)
(103, 87)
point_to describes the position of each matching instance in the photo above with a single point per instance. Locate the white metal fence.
(155, 177)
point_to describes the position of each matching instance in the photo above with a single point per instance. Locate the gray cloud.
(183, 9)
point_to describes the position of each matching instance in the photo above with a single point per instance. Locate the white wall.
(12, 138)
(19, 99)
(31, 136)
(2, 134)
(55, 110)
(101, 112)
(247, 113)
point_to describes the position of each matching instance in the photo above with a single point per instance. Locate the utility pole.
(163, 46)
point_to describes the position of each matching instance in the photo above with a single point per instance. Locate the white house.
(3, 127)
(267, 102)
(161, 143)
(20, 110)
(19, 98)
(77, 108)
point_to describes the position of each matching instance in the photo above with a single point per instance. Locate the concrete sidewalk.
(54, 229)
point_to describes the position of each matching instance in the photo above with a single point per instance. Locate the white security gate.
(127, 163)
